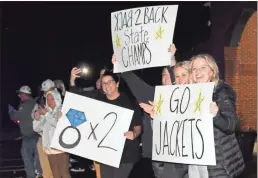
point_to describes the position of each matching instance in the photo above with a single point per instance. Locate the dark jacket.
(229, 159)
(143, 93)
(23, 115)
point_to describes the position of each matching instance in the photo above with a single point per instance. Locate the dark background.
(46, 39)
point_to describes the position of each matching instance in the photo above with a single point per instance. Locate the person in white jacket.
(47, 120)
(38, 124)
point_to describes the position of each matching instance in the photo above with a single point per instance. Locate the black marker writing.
(136, 54)
(174, 99)
(201, 138)
(93, 131)
(72, 145)
(176, 139)
(132, 37)
(126, 19)
(101, 146)
(158, 152)
(165, 139)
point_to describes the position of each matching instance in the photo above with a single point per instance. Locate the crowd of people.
(38, 119)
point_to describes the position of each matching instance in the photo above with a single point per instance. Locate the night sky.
(45, 40)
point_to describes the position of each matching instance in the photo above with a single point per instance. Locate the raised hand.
(114, 60)
(172, 49)
(74, 74)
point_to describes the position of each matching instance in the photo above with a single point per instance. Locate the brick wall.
(241, 72)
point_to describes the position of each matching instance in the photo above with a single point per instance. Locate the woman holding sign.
(131, 152)
(229, 159)
(182, 74)
(145, 93)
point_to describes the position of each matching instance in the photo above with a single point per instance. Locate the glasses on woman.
(108, 83)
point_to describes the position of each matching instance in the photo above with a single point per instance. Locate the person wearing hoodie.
(38, 124)
(144, 93)
(29, 136)
(48, 116)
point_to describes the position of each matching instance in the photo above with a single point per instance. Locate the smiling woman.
(131, 152)
(110, 84)
(229, 159)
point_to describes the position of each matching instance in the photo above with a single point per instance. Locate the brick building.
(241, 71)
(233, 43)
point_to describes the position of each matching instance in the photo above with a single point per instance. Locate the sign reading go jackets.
(183, 125)
(141, 37)
(92, 129)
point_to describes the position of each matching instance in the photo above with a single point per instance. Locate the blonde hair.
(211, 63)
(183, 64)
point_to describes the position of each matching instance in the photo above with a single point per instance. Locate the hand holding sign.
(129, 135)
(214, 109)
(172, 49)
(114, 59)
(148, 108)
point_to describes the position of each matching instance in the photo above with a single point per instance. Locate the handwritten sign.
(141, 37)
(183, 125)
(92, 129)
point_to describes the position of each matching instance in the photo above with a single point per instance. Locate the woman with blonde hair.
(229, 159)
(182, 73)
(143, 92)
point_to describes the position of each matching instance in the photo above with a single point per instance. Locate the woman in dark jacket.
(229, 159)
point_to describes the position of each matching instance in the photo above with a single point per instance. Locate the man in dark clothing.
(29, 150)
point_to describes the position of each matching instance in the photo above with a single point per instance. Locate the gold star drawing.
(159, 33)
(117, 41)
(159, 104)
(199, 102)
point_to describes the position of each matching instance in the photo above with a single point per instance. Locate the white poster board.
(183, 125)
(92, 129)
(141, 37)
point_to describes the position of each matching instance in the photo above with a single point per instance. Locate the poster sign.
(141, 37)
(183, 125)
(92, 129)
